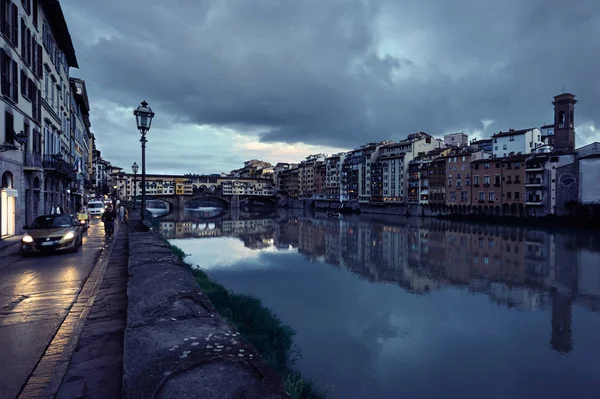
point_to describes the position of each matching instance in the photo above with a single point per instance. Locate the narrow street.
(36, 293)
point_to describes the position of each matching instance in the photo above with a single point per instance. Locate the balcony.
(33, 161)
(534, 168)
(534, 200)
(52, 163)
(537, 182)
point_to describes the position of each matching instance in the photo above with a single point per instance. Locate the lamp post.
(143, 115)
(135, 169)
(21, 138)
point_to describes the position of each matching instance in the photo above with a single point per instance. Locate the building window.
(492, 196)
(481, 196)
(10, 22)
(10, 78)
(9, 128)
(46, 86)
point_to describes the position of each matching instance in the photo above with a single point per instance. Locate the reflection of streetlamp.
(134, 168)
(143, 115)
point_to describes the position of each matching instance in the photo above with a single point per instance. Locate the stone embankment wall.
(176, 344)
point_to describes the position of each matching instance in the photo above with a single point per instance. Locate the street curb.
(47, 376)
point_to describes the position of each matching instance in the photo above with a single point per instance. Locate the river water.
(416, 308)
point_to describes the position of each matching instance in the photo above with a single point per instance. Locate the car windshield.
(95, 205)
(52, 222)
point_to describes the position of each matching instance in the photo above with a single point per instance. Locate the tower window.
(561, 119)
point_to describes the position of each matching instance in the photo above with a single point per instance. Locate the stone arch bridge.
(179, 201)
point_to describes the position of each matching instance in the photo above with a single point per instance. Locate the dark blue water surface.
(409, 308)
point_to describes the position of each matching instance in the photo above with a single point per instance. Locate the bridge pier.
(235, 202)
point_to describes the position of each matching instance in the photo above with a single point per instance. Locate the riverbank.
(262, 329)
(176, 343)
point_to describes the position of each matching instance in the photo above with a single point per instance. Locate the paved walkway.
(96, 368)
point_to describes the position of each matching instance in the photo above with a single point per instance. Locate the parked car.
(47, 233)
(95, 208)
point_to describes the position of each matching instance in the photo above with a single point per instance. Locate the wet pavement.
(36, 295)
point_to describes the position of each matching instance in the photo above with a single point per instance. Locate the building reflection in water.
(515, 267)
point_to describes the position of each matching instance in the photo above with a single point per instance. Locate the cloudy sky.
(232, 80)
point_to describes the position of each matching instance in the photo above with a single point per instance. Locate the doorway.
(7, 205)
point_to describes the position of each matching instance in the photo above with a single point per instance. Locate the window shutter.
(6, 29)
(39, 61)
(28, 49)
(15, 24)
(33, 55)
(35, 13)
(5, 71)
(23, 47)
(10, 129)
(39, 105)
(23, 83)
(3, 15)
(15, 81)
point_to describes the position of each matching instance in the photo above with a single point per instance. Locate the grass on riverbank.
(263, 329)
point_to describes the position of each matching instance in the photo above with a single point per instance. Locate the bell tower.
(564, 122)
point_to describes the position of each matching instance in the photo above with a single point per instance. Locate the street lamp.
(135, 169)
(21, 138)
(143, 115)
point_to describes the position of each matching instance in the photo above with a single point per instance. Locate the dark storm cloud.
(343, 72)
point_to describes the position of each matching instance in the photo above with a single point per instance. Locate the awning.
(424, 192)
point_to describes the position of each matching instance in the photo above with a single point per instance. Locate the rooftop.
(55, 16)
(512, 132)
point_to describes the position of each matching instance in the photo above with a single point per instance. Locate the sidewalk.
(96, 367)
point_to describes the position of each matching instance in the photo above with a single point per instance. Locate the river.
(416, 308)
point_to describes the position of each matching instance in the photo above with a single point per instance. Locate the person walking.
(121, 213)
(108, 218)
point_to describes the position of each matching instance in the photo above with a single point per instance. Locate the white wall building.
(525, 141)
(35, 40)
(456, 140)
(396, 168)
(589, 173)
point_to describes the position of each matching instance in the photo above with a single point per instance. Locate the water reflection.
(517, 268)
(478, 307)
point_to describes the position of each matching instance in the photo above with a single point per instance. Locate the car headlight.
(27, 238)
(69, 236)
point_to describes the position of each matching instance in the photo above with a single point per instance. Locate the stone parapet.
(176, 344)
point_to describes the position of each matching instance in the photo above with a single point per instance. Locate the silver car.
(95, 208)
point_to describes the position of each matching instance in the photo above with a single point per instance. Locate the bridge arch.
(223, 200)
